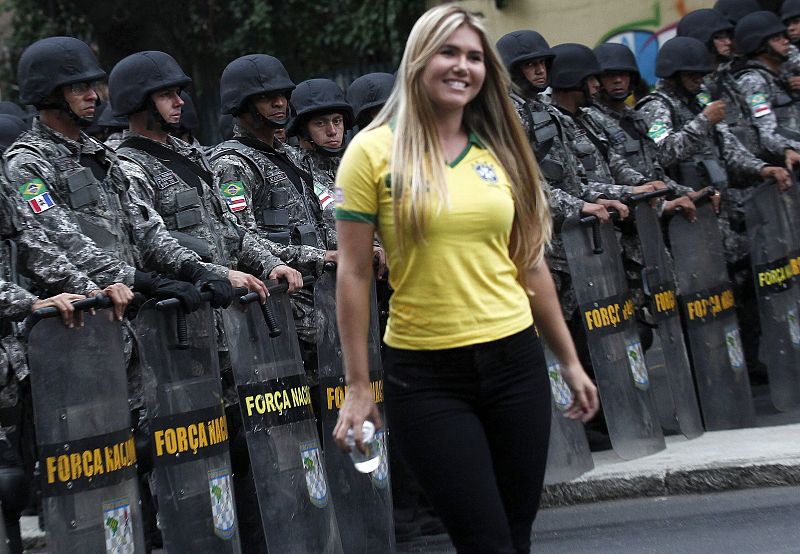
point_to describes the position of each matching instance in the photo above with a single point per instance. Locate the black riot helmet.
(53, 62)
(789, 10)
(703, 25)
(136, 77)
(11, 127)
(318, 97)
(521, 46)
(10, 108)
(572, 65)
(753, 31)
(249, 76)
(368, 92)
(50, 63)
(618, 57)
(734, 10)
(682, 54)
(109, 121)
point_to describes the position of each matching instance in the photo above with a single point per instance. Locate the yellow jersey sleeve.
(357, 183)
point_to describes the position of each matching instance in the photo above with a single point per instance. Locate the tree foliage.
(313, 39)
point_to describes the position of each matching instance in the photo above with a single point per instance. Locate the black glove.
(205, 280)
(152, 284)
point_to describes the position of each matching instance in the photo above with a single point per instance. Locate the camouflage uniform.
(114, 139)
(792, 65)
(324, 169)
(194, 211)
(772, 108)
(104, 225)
(697, 154)
(275, 208)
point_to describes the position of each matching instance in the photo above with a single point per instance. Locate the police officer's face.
(455, 74)
(723, 43)
(272, 105)
(592, 87)
(691, 81)
(326, 130)
(793, 28)
(81, 98)
(535, 72)
(616, 83)
(169, 104)
(780, 44)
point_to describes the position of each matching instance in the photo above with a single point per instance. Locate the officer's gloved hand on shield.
(206, 280)
(152, 284)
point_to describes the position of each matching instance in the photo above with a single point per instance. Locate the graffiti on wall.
(645, 37)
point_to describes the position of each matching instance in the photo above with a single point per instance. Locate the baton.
(99, 301)
(266, 309)
(644, 196)
(181, 328)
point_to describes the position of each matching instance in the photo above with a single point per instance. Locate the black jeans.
(474, 425)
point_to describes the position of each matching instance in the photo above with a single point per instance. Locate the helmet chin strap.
(322, 150)
(260, 121)
(154, 118)
(81, 122)
(616, 97)
(775, 54)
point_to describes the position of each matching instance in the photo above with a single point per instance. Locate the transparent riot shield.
(607, 312)
(774, 253)
(86, 449)
(363, 502)
(285, 452)
(568, 456)
(679, 400)
(709, 318)
(188, 430)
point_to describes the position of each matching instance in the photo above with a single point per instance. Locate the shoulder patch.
(658, 131)
(759, 106)
(35, 193)
(233, 193)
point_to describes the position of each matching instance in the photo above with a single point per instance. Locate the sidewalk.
(716, 461)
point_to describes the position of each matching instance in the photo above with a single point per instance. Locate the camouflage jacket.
(253, 178)
(772, 107)
(792, 65)
(324, 169)
(77, 193)
(114, 139)
(690, 149)
(193, 213)
(590, 164)
(543, 134)
(627, 134)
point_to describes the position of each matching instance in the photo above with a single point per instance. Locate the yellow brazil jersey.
(460, 286)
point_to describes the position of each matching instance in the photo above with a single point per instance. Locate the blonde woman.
(446, 176)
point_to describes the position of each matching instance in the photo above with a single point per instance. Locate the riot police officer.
(790, 16)
(762, 39)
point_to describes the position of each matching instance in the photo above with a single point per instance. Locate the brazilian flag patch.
(35, 193)
(658, 131)
(233, 193)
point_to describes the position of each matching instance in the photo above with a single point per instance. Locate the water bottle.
(365, 462)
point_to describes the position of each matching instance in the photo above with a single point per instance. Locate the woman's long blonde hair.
(418, 164)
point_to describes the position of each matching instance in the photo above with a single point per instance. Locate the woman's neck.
(450, 124)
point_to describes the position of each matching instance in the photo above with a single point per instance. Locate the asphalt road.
(741, 522)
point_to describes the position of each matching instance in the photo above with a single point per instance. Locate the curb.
(669, 483)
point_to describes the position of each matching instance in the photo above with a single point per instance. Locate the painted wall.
(642, 25)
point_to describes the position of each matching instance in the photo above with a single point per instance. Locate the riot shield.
(568, 456)
(674, 377)
(363, 502)
(188, 430)
(773, 250)
(607, 312)
(709, 318)
(278, 419)
(86, 449)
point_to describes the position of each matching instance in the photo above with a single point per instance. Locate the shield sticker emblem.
(315, 474)
(735, 351)
(118, 526)
(380, 477)
(562, 396)
(222, 509)
(636, 363)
